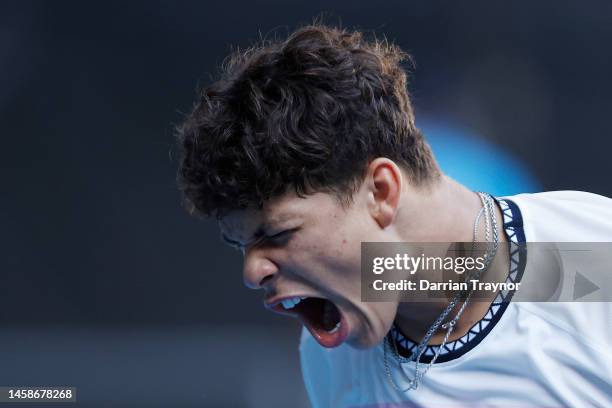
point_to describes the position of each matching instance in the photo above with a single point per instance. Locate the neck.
(446, 213)
(442, 212)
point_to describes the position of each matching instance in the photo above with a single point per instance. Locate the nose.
(258, 270)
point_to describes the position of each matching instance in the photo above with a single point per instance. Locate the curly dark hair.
(308, 113)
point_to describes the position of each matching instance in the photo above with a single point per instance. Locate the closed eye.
(277, 239)
(282, 237)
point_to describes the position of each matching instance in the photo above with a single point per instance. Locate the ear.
(384, 183)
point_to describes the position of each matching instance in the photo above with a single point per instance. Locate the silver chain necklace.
(488, 207)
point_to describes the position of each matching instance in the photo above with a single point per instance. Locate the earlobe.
(386, 186)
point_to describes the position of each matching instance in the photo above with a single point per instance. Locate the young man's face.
(307, 250)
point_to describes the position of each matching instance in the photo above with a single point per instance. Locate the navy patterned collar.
(513, 227)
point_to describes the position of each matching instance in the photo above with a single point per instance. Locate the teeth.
(335, 329)
(291, 302)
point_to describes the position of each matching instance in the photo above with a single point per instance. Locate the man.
(306, 148)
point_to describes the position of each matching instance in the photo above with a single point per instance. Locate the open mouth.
(320, 316)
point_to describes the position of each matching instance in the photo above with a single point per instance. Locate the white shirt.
(532, 354)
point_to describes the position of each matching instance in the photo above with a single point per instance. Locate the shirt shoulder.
(587, 323)
(565, 216)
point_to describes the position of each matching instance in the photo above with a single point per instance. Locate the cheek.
(322, 242)
(328, 252)
(326, 260)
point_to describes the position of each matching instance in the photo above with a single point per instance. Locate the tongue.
(324, 321)
(331, 318)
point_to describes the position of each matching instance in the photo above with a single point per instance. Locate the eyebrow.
(260, 232)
